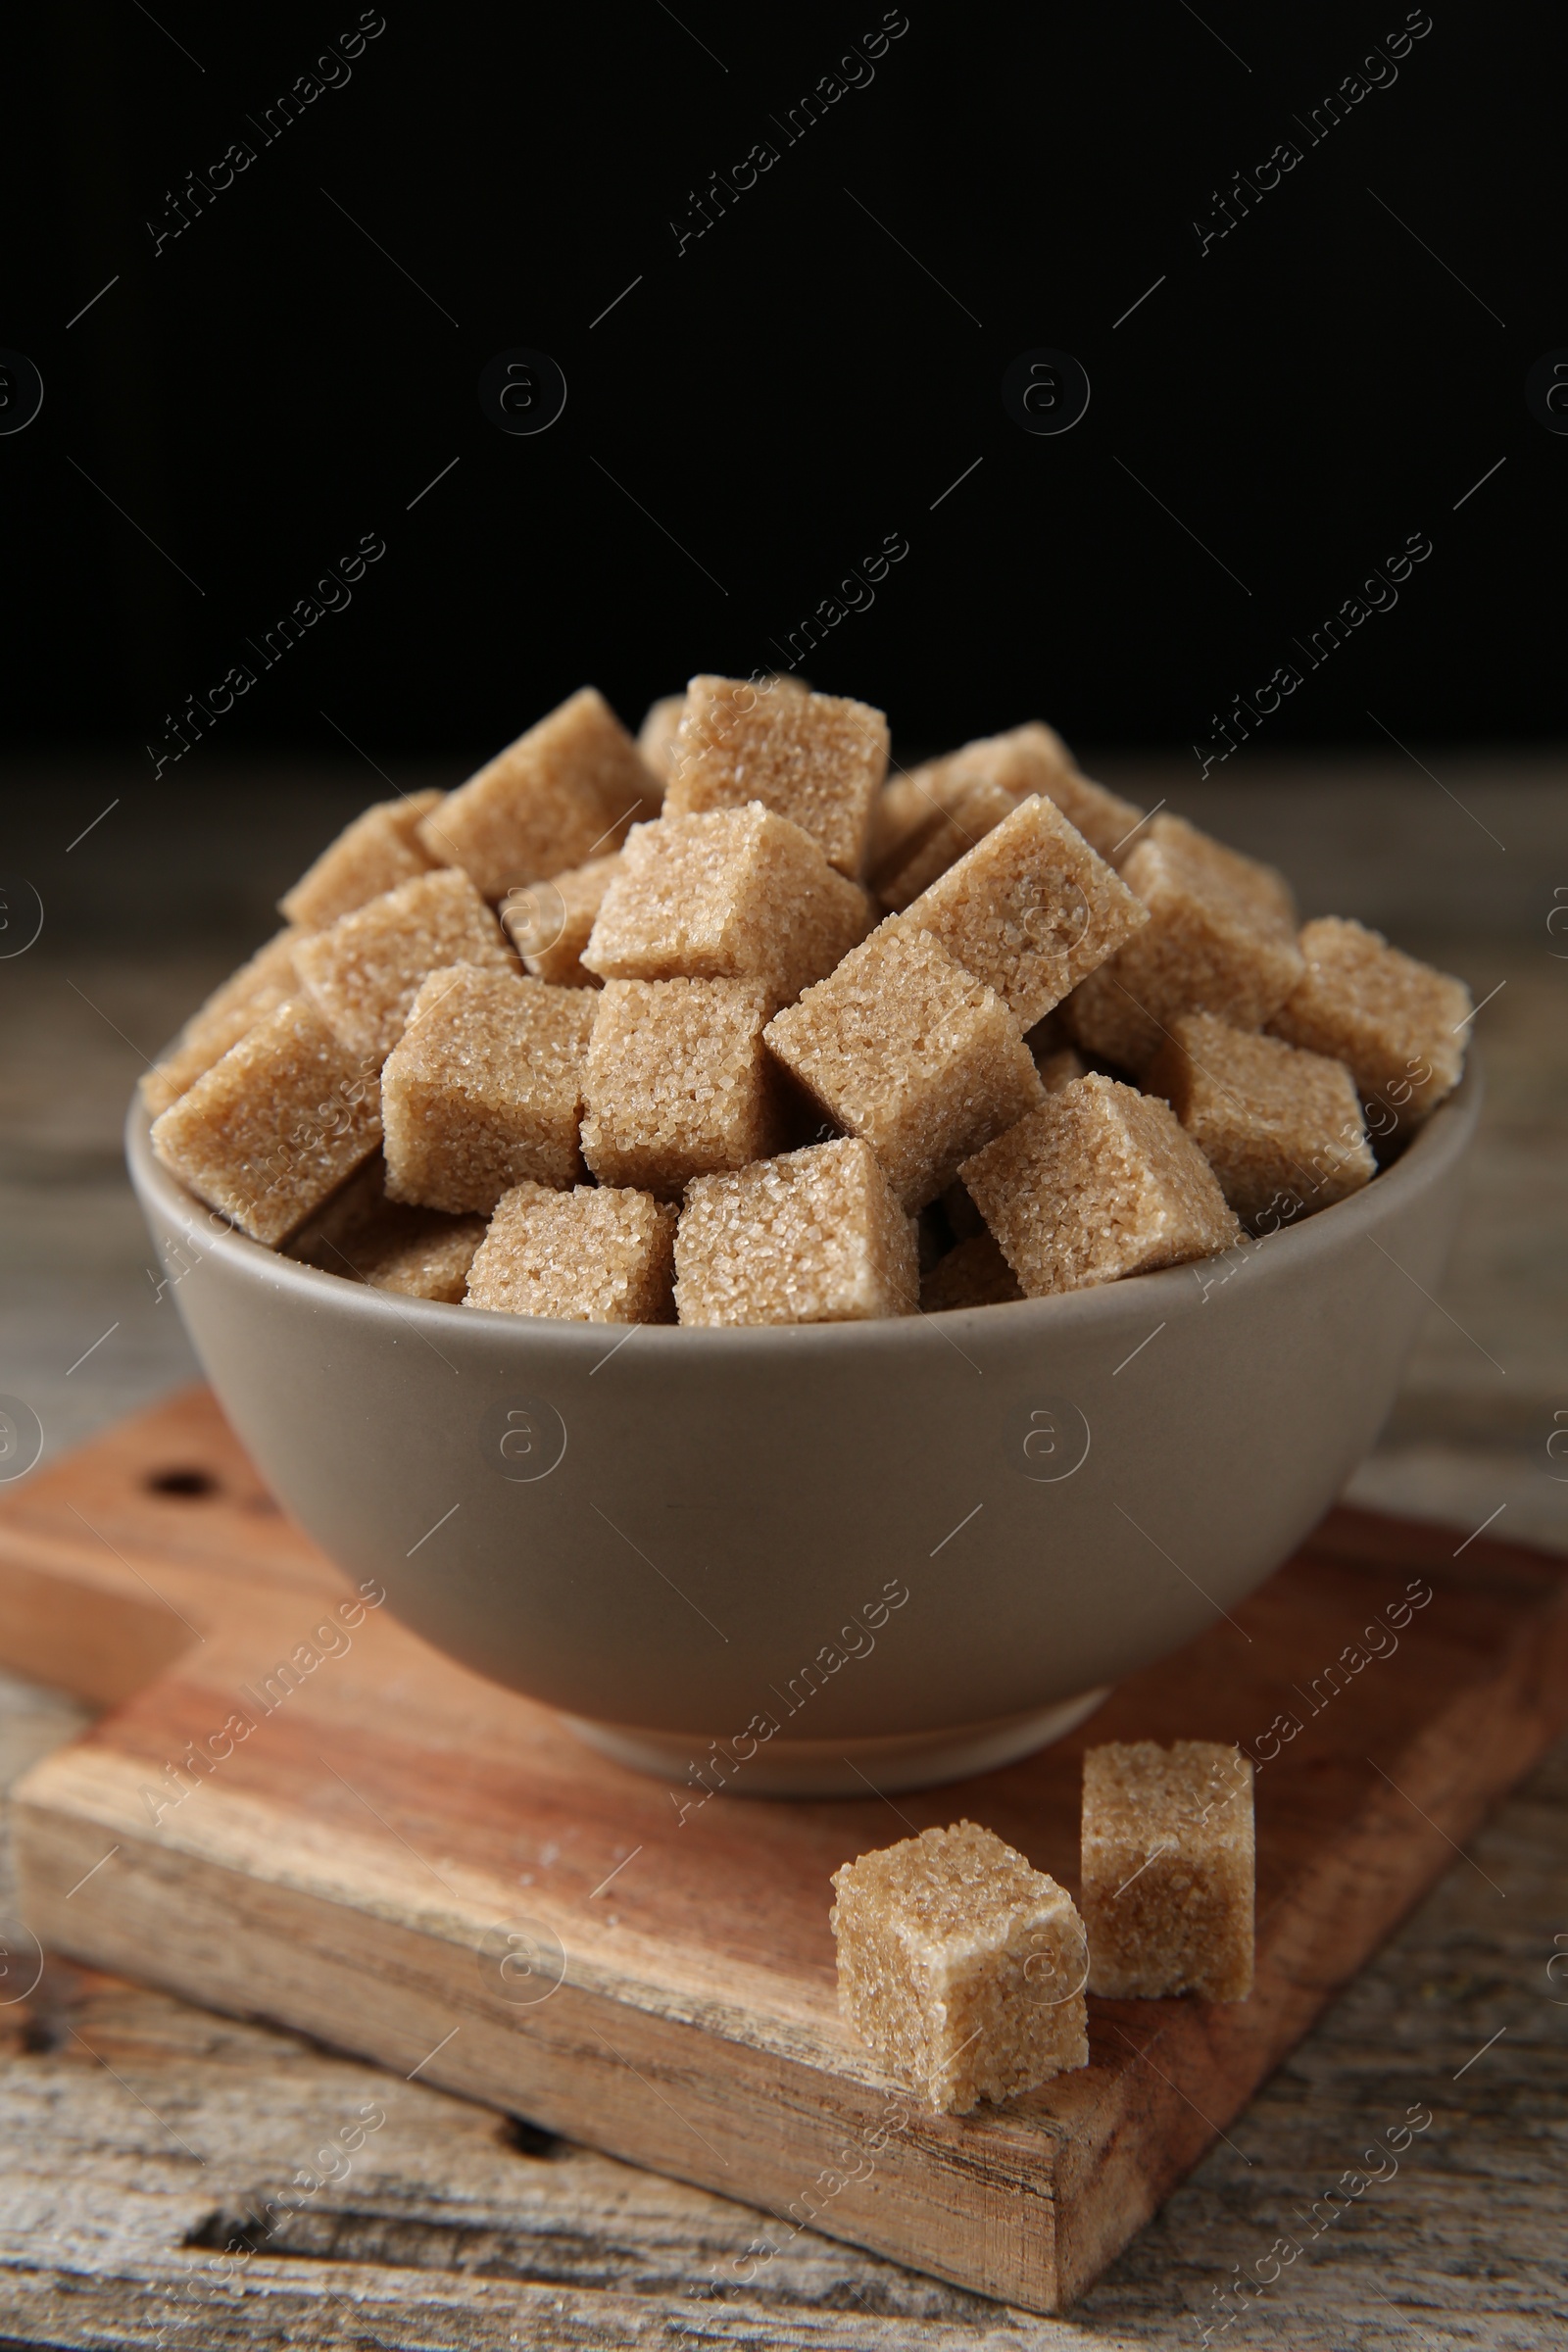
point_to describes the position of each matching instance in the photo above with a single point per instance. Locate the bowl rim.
(1432, 1154)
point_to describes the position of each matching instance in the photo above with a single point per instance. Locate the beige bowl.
(787, 1558)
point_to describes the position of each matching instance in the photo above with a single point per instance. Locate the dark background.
(792, 387)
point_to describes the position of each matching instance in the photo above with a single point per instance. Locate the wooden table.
(131, 2125)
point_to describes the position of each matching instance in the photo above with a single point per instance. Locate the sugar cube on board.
(906, 1047)
(961, 1967)
(1282, 1129)
(1399, 1026)
(601, 1253)
(1220, 938)
(245, 997)
(484, 1087)
(1030, 910)
(678, 1082)
(734, 894)
(816, 758)
(1098, 1183)
(275, 1126)
(562, 793)
(365, 972)
(1168, 1870)
(812, 1236)
(374, 853)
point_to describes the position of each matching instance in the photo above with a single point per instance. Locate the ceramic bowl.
(782, 1559)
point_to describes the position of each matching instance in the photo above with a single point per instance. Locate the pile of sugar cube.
(723, 1026)
(963, 1970)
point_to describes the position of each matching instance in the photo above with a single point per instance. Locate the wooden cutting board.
(293, 1810)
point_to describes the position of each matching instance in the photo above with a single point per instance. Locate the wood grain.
(340, 1869)
(455, 2226)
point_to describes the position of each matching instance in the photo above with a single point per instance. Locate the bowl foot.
(838, 1767)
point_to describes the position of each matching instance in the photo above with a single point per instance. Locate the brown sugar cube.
(483, 1090)
(960, 1968)
(365, 972)
(974, 1274)
(562, 794)
(1281, 1129)
(597, 1255)
(550, 923)
(813, 1237)
(247, 997)
(374, 853)
(678, 1082)
(904, 1046)
(1100, 1182)
(1168, 1870)
(1220, 938)
(1030, 910)
(270, 1131)
(656, 735)
(1397, 1024)
(734, 894)
(816, 758)
(363, 1236)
